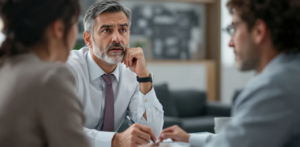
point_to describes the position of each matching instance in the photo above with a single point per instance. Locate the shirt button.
(146, 100)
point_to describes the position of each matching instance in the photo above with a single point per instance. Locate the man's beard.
(103, 54)
(248, 57)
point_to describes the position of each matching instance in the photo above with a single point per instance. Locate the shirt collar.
(274, 63)
(95, 71)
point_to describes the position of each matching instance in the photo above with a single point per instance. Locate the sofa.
(189, 109)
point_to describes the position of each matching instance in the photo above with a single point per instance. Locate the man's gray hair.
(102, 7)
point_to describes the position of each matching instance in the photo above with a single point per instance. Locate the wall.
(231, 78)
(179, 76)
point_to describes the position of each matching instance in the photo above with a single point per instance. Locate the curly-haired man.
(265, 38)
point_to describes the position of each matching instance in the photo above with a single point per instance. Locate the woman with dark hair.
(38, 102)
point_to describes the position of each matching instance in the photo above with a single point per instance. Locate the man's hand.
(135, 60)
(175, 133)
(134, 136)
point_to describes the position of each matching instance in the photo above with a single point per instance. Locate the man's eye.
(106, 30)
(123, 30)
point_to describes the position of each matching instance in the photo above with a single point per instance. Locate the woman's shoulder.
(35, 80)
(56, 72)
(30, 69)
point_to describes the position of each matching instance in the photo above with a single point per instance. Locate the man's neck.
(266, 58)
(107, 68)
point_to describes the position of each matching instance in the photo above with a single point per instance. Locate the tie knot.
(108, 78)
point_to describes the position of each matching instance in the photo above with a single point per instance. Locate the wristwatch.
(146, 79)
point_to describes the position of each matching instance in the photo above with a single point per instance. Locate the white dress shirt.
(201, 139)
(128, 98)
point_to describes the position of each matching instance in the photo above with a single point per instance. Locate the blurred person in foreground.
(265, 38)
(113, 80)
(38, 102)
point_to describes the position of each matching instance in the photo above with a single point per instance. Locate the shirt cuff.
(104, 139)
(200, 139)
(149, 100)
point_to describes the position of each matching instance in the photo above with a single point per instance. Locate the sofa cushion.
(171, 121)
(198, 124)
(164, 97)
(190, 103)
(218, 109)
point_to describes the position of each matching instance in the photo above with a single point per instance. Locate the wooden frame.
(211, 81)
(213, 37)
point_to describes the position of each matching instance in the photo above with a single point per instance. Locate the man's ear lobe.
(260, 31)
(88, 39)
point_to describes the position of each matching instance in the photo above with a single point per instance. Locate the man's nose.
(231, 44)
(116, 37)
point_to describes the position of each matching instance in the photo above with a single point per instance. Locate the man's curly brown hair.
(282, 18)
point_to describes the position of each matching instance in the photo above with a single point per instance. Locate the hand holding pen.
(134, 136)
(131, 122)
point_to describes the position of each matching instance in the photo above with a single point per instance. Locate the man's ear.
(57, 29)
(87, 36)
(259, 31)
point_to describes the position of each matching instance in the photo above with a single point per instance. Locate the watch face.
(152, 76)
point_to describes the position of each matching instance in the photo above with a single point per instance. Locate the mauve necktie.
(109, 114)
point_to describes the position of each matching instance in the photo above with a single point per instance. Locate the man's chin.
(116, 59)
(244, 67)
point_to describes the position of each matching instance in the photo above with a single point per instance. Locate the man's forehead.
(235, 17)
(109, 18)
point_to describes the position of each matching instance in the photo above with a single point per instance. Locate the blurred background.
(194, 69)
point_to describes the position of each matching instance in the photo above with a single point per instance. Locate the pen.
(131, 122)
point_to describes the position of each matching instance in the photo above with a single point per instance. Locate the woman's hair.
(281, 16)
(25, 22)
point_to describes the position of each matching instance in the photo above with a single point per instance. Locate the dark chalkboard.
(174, 30)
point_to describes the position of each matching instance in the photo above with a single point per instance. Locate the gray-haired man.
(110, 90)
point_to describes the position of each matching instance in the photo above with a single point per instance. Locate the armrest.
(171, 121)
(218, 109)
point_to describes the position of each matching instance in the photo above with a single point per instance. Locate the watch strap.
(144, 80)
